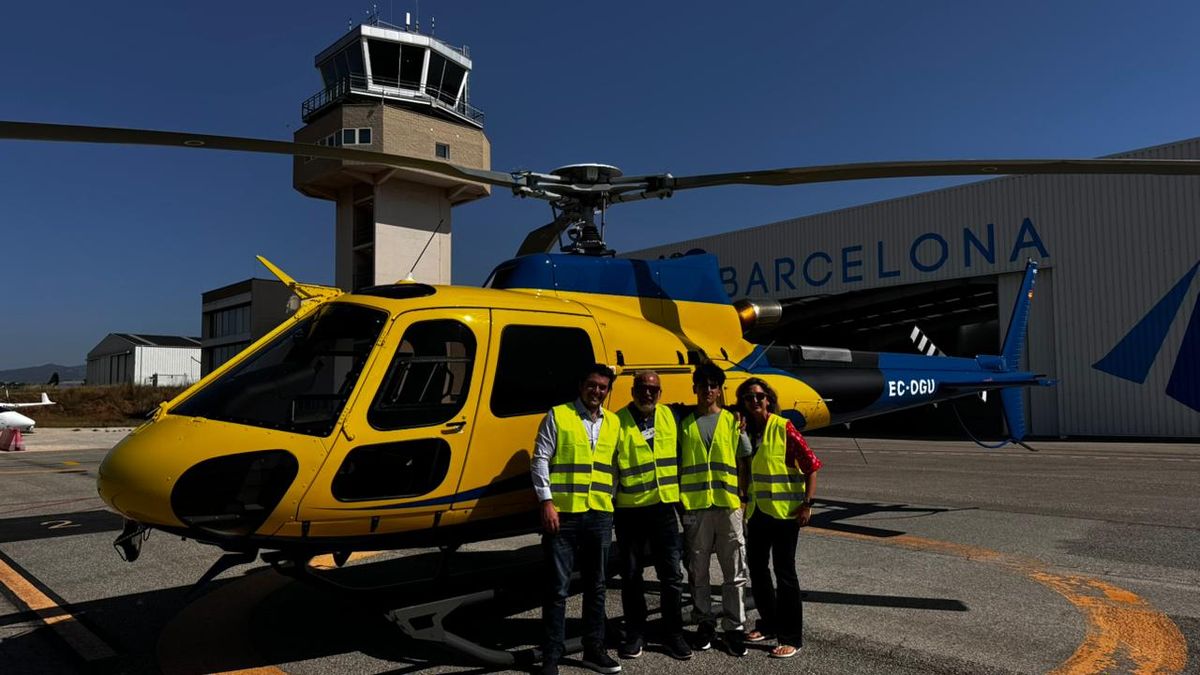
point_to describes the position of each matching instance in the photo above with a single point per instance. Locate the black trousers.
(655, 528)
(779, 606)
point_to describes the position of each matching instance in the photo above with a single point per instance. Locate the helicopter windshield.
(298, 382)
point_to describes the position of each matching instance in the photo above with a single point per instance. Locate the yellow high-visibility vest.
(582, 478)
(775, 488)
(708, 476)
(647, 476)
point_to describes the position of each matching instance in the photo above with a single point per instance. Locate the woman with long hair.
(782, 483)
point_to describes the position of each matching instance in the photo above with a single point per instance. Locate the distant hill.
(41, 374)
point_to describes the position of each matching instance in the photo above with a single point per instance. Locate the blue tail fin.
(1013, 400)
(1014, 340)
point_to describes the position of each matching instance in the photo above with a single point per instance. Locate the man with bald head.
(645, 515)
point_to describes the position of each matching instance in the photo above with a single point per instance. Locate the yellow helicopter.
(404, 415)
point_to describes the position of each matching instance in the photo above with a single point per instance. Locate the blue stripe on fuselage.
(908, 380)
(692, 278)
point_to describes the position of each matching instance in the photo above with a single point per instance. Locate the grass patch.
(122, 405)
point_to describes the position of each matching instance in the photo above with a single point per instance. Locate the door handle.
(454, 427)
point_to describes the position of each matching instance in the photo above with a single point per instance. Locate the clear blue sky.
(104, 239)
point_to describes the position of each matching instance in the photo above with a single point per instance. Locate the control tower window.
(385, 62)
(444, 78)
(354, 57)
(412, 61)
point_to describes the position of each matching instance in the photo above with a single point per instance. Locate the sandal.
(784, 652)
(756, 636)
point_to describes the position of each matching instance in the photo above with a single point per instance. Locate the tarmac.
(923, 557)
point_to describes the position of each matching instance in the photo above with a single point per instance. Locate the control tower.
(391, 89)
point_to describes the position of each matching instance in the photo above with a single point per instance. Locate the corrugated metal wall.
(1116, 245)
(171, 365)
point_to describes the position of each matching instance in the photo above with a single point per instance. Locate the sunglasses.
(646, 388)
(754, 396)
(708, 385)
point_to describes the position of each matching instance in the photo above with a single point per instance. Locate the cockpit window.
(300, 381)
(429, 378)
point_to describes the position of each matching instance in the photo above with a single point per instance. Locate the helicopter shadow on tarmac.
(286, 621)
(301, 621)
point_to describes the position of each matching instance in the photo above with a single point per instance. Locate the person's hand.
(741, 421)
(803, 515)
(549, 517)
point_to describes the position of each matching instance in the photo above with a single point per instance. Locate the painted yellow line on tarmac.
(325, 562)
(27, 472)
(70, 462)
(1122, 628)
(84, 642)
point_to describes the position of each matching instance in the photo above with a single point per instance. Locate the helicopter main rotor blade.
(31, 131)
(972, 167)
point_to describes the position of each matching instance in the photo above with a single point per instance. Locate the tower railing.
(388, 88)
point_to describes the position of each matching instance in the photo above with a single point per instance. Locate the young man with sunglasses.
(574, 479)
(645, 516)
(711, 442)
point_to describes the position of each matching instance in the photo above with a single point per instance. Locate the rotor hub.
(588, 174)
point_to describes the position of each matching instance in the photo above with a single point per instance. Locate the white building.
(1114, 318)
(158, 360)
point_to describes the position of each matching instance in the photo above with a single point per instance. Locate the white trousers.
(717, 530)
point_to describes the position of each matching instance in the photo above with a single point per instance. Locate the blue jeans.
(583, 540)
(655, 527)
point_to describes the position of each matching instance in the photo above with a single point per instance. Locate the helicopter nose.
(222, 478)
(136, 476)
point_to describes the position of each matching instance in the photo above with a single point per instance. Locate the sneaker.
(631, 648)
(677, 647)
(704, 638)
(735, 641)
(548, 667)
(599, 661)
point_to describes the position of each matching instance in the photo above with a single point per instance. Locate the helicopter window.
(390, 470)
(298, 382)
(528, 380)
(429, 377)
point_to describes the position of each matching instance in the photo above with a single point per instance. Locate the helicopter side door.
(395, 467)
(535, 360)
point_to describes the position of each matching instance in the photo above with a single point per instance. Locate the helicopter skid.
(424, 621)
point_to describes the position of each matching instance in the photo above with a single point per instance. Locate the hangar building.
(155, 360)
(1115, 317)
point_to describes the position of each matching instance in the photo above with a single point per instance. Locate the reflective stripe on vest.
(775, 488)
(647, 476)
(708, 476)
(582, 478)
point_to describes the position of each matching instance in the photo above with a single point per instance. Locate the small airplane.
(403, 415)
(11, 419)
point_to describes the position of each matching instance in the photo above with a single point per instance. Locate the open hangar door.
(961, 317)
